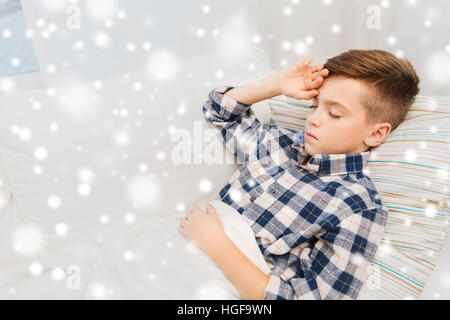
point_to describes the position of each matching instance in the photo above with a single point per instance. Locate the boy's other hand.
(203, 228)
(300, 80)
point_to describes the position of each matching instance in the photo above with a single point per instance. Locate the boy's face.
(341, 129)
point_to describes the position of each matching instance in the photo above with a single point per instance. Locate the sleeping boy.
(317, 218)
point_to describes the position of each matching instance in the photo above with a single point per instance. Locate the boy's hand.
(300, 80)
(203, 229)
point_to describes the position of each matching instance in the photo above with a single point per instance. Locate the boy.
(318, 219)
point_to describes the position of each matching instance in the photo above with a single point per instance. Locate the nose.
(313, 118)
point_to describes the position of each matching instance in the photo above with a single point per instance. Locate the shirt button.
(324, 171)
(252, 199)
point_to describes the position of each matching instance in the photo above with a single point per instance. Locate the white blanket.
(185, 272)
(151, 262)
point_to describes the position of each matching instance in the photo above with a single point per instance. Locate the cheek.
(341, 130)
(336, 126)
(349, 131)
(344, 121)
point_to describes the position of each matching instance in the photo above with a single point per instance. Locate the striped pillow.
(410, 170)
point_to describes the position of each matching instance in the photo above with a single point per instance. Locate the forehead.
(344, 91)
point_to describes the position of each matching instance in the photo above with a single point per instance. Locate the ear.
(378, 134)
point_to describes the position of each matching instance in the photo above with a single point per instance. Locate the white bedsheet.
(162, 265)
(188, 272)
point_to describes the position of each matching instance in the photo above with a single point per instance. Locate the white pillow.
(410, 170)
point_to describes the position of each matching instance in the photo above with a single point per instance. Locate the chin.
(308, 150)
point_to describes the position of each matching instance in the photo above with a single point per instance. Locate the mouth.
(308, 134)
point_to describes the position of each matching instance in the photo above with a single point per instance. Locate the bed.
(75, 221)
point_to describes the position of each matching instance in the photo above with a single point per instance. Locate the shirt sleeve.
(336, 265)
(240, 130)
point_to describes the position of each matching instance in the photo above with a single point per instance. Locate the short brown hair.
(394, 82)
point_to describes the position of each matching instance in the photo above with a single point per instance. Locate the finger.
(317, 82)
(325, 72)
(307, 95)
(307, 61)
(210, 209)
(197, 210)
(314, 83)
(315, 75)
(317, 67)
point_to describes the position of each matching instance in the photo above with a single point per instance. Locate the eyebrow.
(332, 102)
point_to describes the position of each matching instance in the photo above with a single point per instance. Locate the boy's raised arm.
(298, 81)
(228, 108)
(257, 91)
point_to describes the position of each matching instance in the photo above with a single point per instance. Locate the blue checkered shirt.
(318, 223)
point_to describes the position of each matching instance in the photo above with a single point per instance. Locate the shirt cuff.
(272, 288)
(227, 104)
(295, 289)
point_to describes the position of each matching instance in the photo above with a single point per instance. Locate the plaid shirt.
(318, 224)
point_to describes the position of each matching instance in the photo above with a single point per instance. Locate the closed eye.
(331, 115)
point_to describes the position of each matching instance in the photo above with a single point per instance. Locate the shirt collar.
(327, 164)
